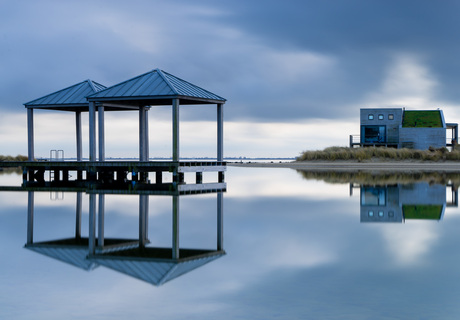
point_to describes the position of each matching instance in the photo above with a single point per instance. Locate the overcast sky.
(295, 73)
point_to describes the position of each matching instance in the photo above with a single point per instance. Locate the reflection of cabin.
(399, 128)
(397, 203)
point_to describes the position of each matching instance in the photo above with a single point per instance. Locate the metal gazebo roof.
(155, 87)
(72, 98)
(151, 269)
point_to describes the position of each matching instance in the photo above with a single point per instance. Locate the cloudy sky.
(294, 73)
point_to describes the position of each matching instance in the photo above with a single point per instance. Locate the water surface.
(296, 247)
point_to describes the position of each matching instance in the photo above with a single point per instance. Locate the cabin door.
(373, 134)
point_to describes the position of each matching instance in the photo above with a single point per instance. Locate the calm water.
(296, 248)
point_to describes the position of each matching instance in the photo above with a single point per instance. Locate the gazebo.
(71, 99)
(154, 88)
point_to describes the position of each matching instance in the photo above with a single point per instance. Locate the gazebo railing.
(56, 155)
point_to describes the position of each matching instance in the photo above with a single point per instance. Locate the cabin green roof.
(422, 212)
(422, 119)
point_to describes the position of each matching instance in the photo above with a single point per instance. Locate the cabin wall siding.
(422, 138)
(392, 126)
(422, 193)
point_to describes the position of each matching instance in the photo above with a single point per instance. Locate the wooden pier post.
(199, 178)
(159, 177)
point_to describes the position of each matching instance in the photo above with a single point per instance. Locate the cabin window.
(373, 196)
(373, 134)
(391, 214)
(381, 117)
(370, 117)
(370, 213)
(380, 214)
(391, 116)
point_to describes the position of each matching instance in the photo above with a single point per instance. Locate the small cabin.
(400, 128)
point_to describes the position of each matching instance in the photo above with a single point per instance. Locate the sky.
(294, 73)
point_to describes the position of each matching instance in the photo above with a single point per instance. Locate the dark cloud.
(240, 50)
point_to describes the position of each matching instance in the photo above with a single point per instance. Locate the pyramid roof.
(75, 255)
(155, 87)
(72, 98)
(153, 266)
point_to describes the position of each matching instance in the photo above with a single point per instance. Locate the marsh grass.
(11, 158)
(379, 153)
(382, 178)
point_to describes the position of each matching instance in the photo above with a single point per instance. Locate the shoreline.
(395, 166)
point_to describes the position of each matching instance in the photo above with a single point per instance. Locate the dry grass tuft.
(379, 153)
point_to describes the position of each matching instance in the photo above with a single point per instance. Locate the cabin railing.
(355, 140)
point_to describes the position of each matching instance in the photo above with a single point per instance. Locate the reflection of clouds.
(270, 182)
(291, 253)
(10, 179)
(290, 248)
(12, 200)
(409, 243)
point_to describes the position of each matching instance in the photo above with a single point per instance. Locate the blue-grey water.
(295, 248)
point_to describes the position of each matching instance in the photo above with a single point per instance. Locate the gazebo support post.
(220, 132)
(100, 114)
(143, 219)
(142, 134)
(78, 216)
(147, 151)
(175, 239)
(30, 217)
(100, 224)
(30, 134)
(78, 135)
(175, 125)
(92, 131)
(220, 221)
(92, 225)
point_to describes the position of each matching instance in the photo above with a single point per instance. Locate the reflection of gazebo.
(72, 250)
(155, 265)
(133, 257)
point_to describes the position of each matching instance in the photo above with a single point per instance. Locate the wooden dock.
(118, 177)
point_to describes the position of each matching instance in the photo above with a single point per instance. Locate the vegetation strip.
(379, 153)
